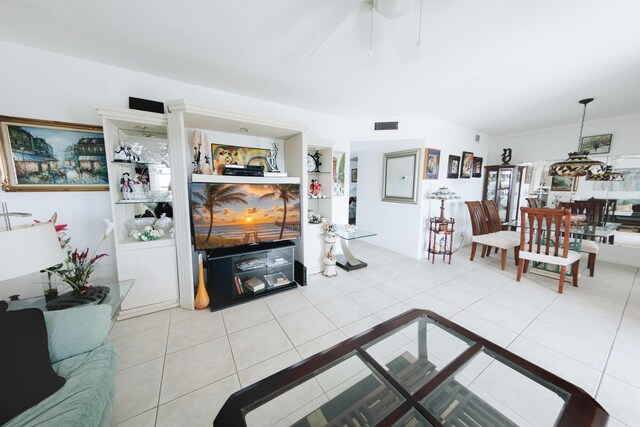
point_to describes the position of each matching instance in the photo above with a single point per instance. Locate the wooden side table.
(440, 238)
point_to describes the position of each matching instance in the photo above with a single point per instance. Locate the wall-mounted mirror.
(400, 176)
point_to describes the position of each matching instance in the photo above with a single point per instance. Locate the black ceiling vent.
(386, 126)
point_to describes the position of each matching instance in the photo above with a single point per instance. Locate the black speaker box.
(300, 273)
(146, 105)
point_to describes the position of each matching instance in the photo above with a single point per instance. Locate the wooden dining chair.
(545, 238)
(591, 211)
(606, 212)
(481, 235)
(534, 202)
(510, 239)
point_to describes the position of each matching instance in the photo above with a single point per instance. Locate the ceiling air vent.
(386, 126)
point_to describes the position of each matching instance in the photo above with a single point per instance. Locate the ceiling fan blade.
(346, 24)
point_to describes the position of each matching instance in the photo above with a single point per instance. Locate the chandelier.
(607, 175)
(578, 164)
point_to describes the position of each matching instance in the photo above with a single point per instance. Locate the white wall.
(557, 142)
(45, 85)
(401, 227)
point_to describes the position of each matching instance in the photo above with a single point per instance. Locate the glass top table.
(417, 369)
(347, 260)
(118, 292)
(585, 230)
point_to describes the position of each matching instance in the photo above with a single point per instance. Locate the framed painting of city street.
(41, 155)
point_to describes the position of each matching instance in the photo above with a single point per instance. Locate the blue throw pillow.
(27, 377)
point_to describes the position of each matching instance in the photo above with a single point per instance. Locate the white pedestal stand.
(329, 259)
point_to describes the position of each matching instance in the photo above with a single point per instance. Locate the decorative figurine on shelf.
(315, 217)
(315, 189)
(197, 144)
(126, 185)
(271, 158)
(122, 153)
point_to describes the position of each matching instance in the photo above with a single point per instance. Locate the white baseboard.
(147, 309)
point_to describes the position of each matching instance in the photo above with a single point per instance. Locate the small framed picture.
(477, 167)
(354, 175)
(598, 144)
(561, 183)
(431, 163)
(454, 166)
(467, 165)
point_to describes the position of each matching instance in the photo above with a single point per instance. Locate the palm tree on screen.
(286, 193)
(215, 196)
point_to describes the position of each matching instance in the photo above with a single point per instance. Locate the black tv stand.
(243, 273)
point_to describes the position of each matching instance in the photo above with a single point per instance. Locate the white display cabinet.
(136, 186)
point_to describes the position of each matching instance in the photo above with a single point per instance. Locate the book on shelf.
(276, 279)
(254, 284)
(249, 264)
(277, 261)
(238, 284)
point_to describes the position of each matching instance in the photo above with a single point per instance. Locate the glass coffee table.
(417, 369)
(118, 291)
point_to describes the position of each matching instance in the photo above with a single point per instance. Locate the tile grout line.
(635, 280)
(164, 363)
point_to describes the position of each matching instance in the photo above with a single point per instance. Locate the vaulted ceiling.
(498, 66)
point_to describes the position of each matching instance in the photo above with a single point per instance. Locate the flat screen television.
(225, 215)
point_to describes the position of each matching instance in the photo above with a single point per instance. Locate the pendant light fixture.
(607, 175)
(578, 164)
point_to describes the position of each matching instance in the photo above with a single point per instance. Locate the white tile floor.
(178, 367)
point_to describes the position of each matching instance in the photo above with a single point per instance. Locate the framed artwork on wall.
(231, 155)
(42, 155)
(477, 167)
(597, 144)
(561, 183)
(467, 165)
(354, 175)
(454, 166)
(431, 163)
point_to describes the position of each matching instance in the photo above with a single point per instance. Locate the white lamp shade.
(28, 249)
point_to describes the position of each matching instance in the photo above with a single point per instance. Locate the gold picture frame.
(44, 155)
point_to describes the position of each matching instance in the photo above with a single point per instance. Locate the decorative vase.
(202, 298)
(50, 283)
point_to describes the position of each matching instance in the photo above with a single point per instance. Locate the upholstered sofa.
(79, 352)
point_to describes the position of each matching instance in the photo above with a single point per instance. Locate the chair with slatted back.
(591, 211)
(534, 202)
(606, 212)
(545, 238)
(510, 239)
(481, 234)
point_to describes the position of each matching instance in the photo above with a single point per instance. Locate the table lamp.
(442, 194)
(28, 248)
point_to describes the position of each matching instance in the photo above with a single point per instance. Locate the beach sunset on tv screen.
(237, 214)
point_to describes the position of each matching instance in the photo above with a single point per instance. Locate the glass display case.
(417, 369)
(502, 184)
